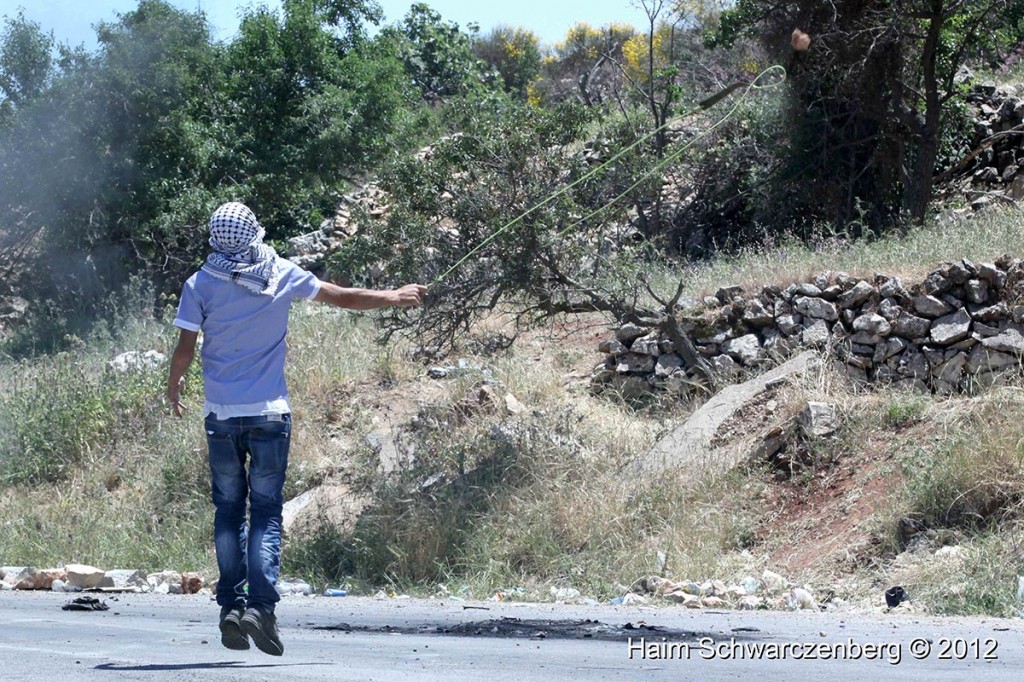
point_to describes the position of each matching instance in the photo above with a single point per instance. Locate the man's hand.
(180, 361)
(410, 296)
(174, 397)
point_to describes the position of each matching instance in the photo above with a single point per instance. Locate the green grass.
(94, 468)
(904, 409)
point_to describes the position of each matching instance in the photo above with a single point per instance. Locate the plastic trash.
(894, 596)
(616, 601)
(290, 587)
(85, 604)
(750, 584)
(331, 592)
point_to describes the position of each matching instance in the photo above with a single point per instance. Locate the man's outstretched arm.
(410, 295)
(180, 362)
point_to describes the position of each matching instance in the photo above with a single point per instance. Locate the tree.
(870, 96)
(583, 63)
(349, 18)
(438, 55)
(514, 54)
(505, 215)
(26, 60)
(306, 111)
(85, 160)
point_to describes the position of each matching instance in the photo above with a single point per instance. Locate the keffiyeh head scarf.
(239, 254)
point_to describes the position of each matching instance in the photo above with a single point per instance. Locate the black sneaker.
(231, 635)
(261, 626)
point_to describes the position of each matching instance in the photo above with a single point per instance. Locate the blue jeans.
(248, 552)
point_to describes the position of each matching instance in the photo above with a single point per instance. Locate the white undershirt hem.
(265, 407)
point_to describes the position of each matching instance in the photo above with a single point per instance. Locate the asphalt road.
(150, 637)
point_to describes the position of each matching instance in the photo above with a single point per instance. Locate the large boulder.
(688, 447)
(83, 576)
(36, 578)
(334, 504)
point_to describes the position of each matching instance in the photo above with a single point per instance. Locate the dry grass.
(950, 236)
(540, 498)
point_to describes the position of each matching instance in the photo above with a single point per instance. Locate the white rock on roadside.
(294, 586)
(734, 593)
(690, 601)
(7, 573)
(799, 598)
(83, 576)
(165, 582)
(773, 582)
(124, 579)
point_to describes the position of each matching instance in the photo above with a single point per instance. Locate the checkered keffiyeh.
(239, 254)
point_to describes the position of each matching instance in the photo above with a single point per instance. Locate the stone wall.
(993, 166)
(311, 250)
(959, 328)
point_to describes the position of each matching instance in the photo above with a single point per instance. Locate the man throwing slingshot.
(240, 300)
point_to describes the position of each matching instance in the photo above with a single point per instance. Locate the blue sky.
(71, 20)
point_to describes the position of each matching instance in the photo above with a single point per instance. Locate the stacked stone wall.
(962, 327)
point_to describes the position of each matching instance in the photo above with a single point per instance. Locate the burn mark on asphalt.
(518, 628)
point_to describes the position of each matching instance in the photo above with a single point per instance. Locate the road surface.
(154, 637)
